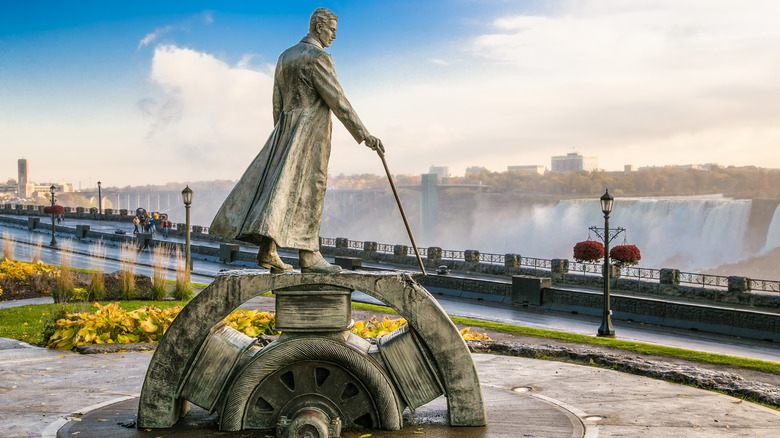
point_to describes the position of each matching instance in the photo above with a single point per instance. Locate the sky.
(149, 92)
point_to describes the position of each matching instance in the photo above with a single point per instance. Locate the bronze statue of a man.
(279, 199)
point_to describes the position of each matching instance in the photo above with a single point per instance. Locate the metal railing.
(491, 259)
(385, 248)
(534, 263)
(626, 272)
(704, 280)
(765, 285)
(586, 268)
(641, 274)
(451, 254)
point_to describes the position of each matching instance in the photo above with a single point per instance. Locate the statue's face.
(326, 33)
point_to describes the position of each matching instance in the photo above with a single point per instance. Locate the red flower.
(588, 251)
(54, 209)
(625, 255)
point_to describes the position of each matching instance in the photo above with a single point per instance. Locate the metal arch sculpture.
(160, 406)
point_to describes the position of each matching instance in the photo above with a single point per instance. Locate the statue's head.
(322, 25)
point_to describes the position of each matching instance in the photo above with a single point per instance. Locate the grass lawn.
(26, 323)
(636, 347)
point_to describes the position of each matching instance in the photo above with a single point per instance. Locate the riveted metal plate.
(313, 311)
(217, 358)
(411, 367)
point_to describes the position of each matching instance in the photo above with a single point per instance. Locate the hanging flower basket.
(588, 251)
(54, 209)
(625, 255)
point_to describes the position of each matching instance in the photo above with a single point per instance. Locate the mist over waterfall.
(691, 233)
(687, 233)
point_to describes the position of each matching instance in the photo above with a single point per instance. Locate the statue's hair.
(321, 15)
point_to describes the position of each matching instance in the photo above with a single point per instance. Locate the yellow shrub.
(469, 336)
(373, 328)
(110, 324)
(252, 323)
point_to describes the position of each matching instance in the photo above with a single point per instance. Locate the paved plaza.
(46, 391)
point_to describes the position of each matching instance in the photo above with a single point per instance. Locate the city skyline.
(151, 93)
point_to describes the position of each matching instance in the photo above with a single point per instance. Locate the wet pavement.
(45, 391)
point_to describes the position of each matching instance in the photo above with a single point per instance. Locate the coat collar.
(311, 39)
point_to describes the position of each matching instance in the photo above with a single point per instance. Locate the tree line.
(738, 182)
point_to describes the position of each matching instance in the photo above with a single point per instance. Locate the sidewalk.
(42, 389)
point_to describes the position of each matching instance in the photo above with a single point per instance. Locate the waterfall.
(687, 233)
(773, 235)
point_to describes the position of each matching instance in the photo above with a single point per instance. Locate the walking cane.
(401, 208)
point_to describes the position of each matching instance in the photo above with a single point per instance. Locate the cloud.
(151, 37)
(206, 18)
(610, 78)
(641, 82)
(207, 111)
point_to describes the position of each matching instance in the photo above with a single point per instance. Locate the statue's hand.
(375, 144)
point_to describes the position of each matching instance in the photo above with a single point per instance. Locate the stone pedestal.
(512, 261)
(228, 252)
(560, 266)
(529, 291)
(32, 223)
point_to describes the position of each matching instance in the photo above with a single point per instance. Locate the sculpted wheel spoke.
(334, 383)
(274, 392)
(265, 417)
(319, 381)
(304, 380)
(356, 407)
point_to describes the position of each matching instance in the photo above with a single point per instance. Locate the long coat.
(282, 192)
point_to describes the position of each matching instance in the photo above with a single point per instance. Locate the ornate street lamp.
(186, 196)
(53, 242)
(606, 328)
(100, 203)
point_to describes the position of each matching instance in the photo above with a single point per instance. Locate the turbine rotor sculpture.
(317, 377)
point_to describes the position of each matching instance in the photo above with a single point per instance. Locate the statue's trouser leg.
(267, 257)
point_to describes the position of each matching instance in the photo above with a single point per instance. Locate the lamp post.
(100, 203)
(606, 328)
(186, 196)
(53, 242)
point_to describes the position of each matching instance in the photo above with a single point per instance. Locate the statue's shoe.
(321, 267)
(273, 263)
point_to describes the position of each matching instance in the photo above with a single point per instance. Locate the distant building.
(574, 162)
(475, 170)
(528, 169)
(440, 171)
(628, 168)
(9, 189)
(24, 189)
(43, 190)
